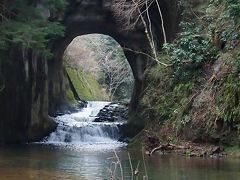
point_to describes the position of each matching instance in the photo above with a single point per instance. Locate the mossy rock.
(85, 85)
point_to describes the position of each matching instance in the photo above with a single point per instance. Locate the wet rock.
(129, 131)
(68, 138)
(216, 150)
(68, 109)
(113, 112)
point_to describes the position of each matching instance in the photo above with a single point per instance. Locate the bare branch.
(145, 54)
(162, 22)
(116, 72)
(5, 13)
(134, 12)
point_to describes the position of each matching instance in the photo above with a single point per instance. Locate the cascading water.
(79, 129)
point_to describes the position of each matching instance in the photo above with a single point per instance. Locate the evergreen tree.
(24, 24)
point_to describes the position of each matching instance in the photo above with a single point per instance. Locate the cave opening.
(97, 69)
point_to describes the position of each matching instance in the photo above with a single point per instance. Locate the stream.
(81, 149)
(80, 131)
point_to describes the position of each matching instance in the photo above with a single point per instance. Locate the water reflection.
(52, 162)
(179, 167)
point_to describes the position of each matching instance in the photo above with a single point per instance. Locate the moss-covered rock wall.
(86, 86)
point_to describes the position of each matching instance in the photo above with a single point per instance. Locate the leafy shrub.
(237, 62)
(191, 47)
(224, 17)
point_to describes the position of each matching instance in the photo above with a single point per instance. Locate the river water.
(81, 149)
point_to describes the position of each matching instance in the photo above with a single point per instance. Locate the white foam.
(79, 131)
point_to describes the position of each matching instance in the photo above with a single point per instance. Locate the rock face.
(35, 88)
(24, 100)
(113, 112)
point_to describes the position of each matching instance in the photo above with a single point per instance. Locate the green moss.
(70, 96)
(86, 85)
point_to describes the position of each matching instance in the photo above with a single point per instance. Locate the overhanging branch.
(145, 54)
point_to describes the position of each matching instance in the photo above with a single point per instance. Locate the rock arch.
(86, 17)
(26, 104)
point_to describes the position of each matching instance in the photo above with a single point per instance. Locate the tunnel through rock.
(88, 17)
(97, 69)
(28, 104)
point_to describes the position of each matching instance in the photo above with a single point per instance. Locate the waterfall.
(80, 129)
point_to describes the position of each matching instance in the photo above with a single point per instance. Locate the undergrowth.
(168, 100)
(168, 97)
(228, 102)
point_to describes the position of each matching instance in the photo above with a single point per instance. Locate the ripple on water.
(90, 147)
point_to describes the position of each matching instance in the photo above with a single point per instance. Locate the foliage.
(191, 47)
(28, 28)
(57, 5)
(172, 96)
(168, 99)
(32, 35)
(116, 72)
(228, 102)
(237, 62)
(224, 17)
(233, 151)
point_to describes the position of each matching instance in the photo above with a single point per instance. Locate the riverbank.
(198, 110)
(152, 145)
